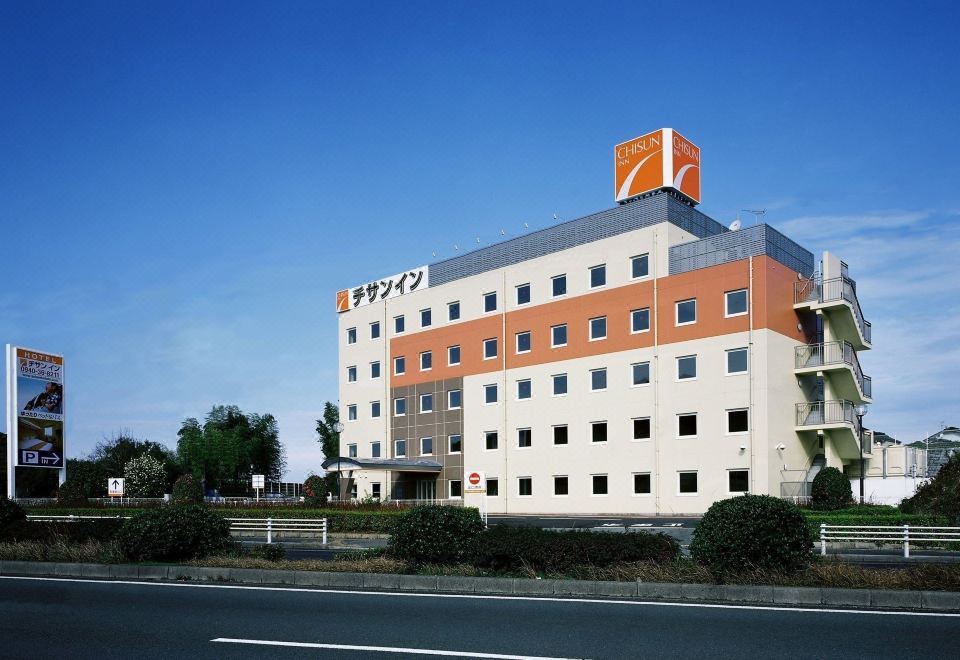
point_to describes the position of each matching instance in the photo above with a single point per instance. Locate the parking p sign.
(475, 482)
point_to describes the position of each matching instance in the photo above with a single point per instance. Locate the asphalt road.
(104, 620)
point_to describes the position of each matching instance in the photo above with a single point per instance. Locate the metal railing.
(904, 534)
(816, 289)
(819, 413)
(833, 352)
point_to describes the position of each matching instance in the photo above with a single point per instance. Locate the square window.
(598, 379)
(456, 444)
(375, 330)
(400, 407)
(351, 451)
(641, 428)
(599, 484)
(453, 355)
(598, 432)
(639, 266)
(640, 373)
(560, 435)
(641, 484)
(558, 335)
(351, 374)
(490, 393)
(426, 403)
(426, 361)
(375, 450)
(375, 370)
(426, 446)
(524, 486)
(352, 412)
(524, 389)
(491, 440)
(687, 425)
(737, 361)
(558, 285)
(399, 365)
(561, 486)
(735, 303)
(493, 487)
(454, 400)
(640, 320)
(738, 421)
(453, 311)
(739, 481)
(523, 342)
(399, 324)
(400, 448)
(456, 488)
(687, 367)
(374, 408)
(687, 311)
(524, 438)
(598, 328)
(598, 276)
(426, 318)
(523, 294)
(559, 384)
(489, 349)
(351, 335)
(688, 483)
(490, 302)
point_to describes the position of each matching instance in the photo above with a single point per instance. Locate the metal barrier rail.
(891, 533)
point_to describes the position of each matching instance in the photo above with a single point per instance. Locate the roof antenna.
(756, 214)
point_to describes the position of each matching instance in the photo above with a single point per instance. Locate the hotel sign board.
(35, 408)
(661, 159)
(388, 287)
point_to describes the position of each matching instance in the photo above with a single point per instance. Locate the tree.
(145, 477)
(329, 439)
(113, 454)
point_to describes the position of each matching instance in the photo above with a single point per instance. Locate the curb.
(939, 601)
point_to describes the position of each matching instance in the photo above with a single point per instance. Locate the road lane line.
(573, 599)
(384, 649)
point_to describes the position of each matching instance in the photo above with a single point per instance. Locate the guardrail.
(904, 534)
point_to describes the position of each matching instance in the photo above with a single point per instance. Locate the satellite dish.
(735, 225)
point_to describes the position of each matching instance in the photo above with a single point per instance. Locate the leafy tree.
(145, 477)
(315, 491)
(113, 454)
(940, 495)
(329, 440)
(87, 477)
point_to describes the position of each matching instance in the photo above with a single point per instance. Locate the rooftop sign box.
(661, 159)
(388, 287)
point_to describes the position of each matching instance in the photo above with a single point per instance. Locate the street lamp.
(861, 410)
(338, 428)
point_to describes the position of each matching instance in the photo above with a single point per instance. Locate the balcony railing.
(833, 352)
(821, 413)
(818, 290)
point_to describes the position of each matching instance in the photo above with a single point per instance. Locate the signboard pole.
(11, 421)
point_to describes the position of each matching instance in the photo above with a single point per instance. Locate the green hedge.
(870, 516)
(174, 533)
(435, 535)
(86, 530)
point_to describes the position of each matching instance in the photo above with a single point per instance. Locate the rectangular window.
(640, 320)
(561, 486)
(375, 450)
(558, 285)
(738, 421)
(453, 311)
(400, 448)
(453, 355)
(687, 425)
(523, 342)
(598, 379)
(489, 348)
(735, 303)
(560, 435)
(352, 412)
(351, 451)
(351, 335)
(375, 369)
(524, 389)
(426, 361)
(375, 490)
(687, 483)
(426, 403)
(739, 481)
(456, 489)
(491, 440)
(524, 438)
(490, 302)
(456, 444)
(558, 335)
(523, 294)
(351, 374)
(640, 373)
(454, 400)
(687, 367)
(426, 318)
(399, 365)
(641, 428)
(639, 266)
(374, 409)
(375, 330)
(598, 276)
(599, 484)
(399, 325)
(598, 432)
(426, 446)
(559, 384)
(524, 486)
(598, 328)
(493, 487)
(687, 311)
(736, 361)
(400, 407)
(490, 393)
(641, 483)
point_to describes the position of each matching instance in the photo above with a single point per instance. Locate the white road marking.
(405, 594)
(383, 649)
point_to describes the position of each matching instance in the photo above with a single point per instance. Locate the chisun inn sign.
(387, 287)
(661, 159)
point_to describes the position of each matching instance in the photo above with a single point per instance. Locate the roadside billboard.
(35, 408)
(661, 159)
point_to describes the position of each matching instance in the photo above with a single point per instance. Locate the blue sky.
(184, 185)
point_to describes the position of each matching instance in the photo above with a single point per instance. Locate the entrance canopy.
(344, 464)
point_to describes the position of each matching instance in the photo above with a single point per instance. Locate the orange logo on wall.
(661, 159)
(343, 300)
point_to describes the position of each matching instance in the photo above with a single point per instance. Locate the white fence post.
(906, 541)
(269, 530)
(324, 531)
(823, 539)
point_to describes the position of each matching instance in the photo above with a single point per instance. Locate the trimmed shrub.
(511, 548)
(315, 491)
(941, 495)
(174, 533)
(831, 490)
(10, 512)
(73, 492)
(187, 490)
(435, 534)
(752, 531)
(145, 477)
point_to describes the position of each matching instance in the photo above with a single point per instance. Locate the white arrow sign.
(115, 487)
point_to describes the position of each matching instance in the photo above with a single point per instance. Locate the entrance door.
(426, 489)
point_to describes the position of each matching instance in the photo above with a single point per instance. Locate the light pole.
(338, 428)
(861, 410)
